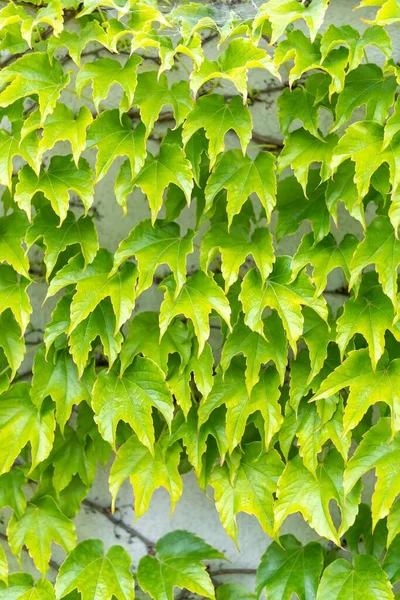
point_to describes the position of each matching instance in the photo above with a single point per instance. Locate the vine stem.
(106, 512)
(233, 571)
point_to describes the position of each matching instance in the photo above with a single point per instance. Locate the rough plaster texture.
(195, 511)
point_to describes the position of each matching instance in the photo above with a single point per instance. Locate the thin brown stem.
(269, 142)
(233, 571)
(106, 512)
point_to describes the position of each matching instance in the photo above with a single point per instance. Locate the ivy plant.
(279, 390)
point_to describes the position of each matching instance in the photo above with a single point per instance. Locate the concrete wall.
(195, 511)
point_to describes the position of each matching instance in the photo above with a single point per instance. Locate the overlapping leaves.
(248, 373)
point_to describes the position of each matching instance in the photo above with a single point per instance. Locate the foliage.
(279, 392)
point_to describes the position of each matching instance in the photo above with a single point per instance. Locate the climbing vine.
(279, 391)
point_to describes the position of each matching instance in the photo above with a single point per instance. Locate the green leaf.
(22, 587)
(155, 246)
(304, 53)
(367, 85)
(100, 324)
(195, 438)
(12, 146)
(366, 387)
(363, 144)
(147, 471)
(324, 256)
(20, 423)
(391, 562)
(144, 338)
(382, 248)
(74, 271)
(241, 176)
(341, 188)
(61, 125)
(12, 40)
(164, 46)
(281, 13)
(88, 432)
(130, 397)
(301, 149)
(280, 293)
(3, 566)
(113, 137)
(153, 93)
(300, 383)
(346, 35)
(230, 389)
(158, 172)
(378, 450)
(33, 74)
(198, 297)
(393, 523)
(5, 377)
(233, 64)
(75, 43)
(317, 334)
(313, 433)
(361, 539)
(233, 591)
(235, 246)
(58, 378)
(91, 289)
(248, 492)
(59, 324)
(193, 17)
(294, 206)
(11, 341)
(392, 125)
(11, 13)
(56, 182)
(42, 524)
(300, 491)
(387, 14)
(363, 579)
(369, 313)
(72, 457)
(177, 563)
(13, 295)
(12, 232)
(103, 73)
(88, 563)
(217, 116)
(180, 376)
(298, 104)
(11, 493)
(289, 568)
(256, 348)
(51, 14)
(56, 238)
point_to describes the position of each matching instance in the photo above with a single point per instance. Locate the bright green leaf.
(147, 471)
(177, 563)
(216, 116)
(198, 297)
(130, 397)
(155, 246)
(364, 579)
(56, 182)
(42, 524)
(289, 568)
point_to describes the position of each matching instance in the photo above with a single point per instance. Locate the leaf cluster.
(250, 374)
